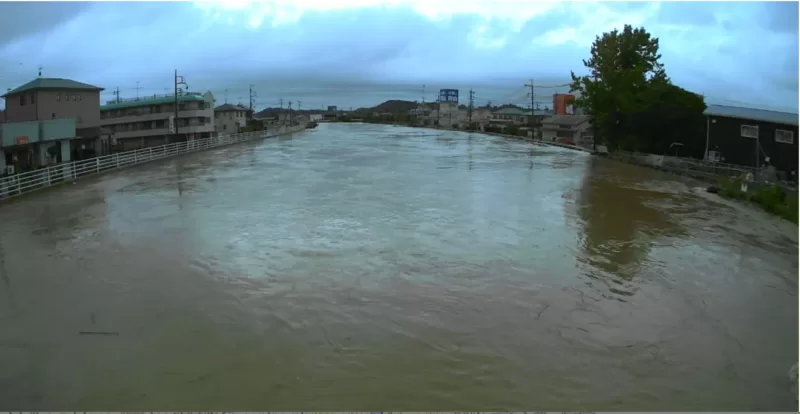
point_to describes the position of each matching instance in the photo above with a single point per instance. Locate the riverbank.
(27, 182)
(771, 198)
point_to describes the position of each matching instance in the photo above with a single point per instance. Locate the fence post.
(117, 157)
(97, 164)
(47, 171)
(150, 156)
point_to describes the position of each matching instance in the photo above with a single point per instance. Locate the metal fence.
(26, 182)
(700, 169)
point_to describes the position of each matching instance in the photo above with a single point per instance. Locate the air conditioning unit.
(10, 169)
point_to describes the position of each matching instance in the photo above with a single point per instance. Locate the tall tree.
(624, 67)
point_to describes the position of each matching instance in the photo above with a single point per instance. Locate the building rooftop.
(52, 83)
(752, 114)
(151, 100)
(230, 107)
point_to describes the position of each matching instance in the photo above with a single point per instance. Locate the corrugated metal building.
(752, 137)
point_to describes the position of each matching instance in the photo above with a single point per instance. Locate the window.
(783, 136)
(58, 97)
(224, 126)
(33, 98)
(80, 98)
(74, 98)
(750, 131)
(22, 100)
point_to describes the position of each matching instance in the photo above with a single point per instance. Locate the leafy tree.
(627, 93)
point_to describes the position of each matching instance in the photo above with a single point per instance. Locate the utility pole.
(137, 90)
(471, 105)
(116, 94)
(532, 103)
(179, 81)
(280, 113)
(423, 95)
(290, 112)
(252, 99)
(438, 112)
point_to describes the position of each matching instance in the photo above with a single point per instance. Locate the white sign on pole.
(172, 124)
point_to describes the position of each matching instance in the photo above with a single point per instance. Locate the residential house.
(753, 137)
(517, 116)
(574, 129)
(230, 118)
(150, 120)
(49, 120)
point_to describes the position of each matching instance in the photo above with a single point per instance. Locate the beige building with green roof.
(149, 121)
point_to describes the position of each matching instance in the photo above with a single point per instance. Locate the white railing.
(29, 181)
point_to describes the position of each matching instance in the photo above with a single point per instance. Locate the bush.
(772, 198)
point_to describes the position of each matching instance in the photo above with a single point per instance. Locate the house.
(575, 129)
(229, 118)
(516, 116)
(47, 120)
(752, 137)
(315, 117)
(150, 120)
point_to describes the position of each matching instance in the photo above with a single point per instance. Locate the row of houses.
(53, 120)
(733, 135)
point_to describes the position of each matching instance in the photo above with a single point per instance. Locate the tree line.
(632, 103)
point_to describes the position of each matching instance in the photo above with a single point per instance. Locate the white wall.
(229, 122)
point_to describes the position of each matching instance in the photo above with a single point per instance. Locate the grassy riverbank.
(771, 198)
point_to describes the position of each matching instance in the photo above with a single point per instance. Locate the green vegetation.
(631, 102)
(772, 198)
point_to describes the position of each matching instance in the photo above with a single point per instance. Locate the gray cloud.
(21, 19)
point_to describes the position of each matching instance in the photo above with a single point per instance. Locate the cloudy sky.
(355, 53)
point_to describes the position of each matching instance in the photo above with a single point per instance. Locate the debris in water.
(97, 333)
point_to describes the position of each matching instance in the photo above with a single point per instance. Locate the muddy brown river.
(365, 267)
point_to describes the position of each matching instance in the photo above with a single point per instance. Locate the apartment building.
(229, 118)
(150, 121)
(49, 120)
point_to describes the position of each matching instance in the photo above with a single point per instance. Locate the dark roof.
(571, 120)
(230, 107)
(752, 114)
(52, 83)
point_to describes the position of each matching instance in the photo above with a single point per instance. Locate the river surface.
(366, 267)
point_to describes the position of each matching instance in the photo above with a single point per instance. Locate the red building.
(562, 104)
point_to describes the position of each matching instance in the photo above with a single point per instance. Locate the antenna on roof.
(226, 96)
(40, 70)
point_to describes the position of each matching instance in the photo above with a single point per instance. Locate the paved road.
(366, 266)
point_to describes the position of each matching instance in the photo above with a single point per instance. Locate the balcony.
(145, 117)
(154, 132)
(22, 133)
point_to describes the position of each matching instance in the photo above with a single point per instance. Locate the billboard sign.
(448, 95)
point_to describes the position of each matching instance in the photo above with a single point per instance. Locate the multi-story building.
(229, 118)
(49, 120)
(150, 121)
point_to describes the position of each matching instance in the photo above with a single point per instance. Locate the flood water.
(365, 267)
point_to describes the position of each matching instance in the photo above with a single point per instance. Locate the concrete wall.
(229, 122)
(83, 106)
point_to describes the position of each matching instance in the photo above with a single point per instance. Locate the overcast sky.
(355, 53)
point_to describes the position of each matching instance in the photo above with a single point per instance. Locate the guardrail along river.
(364, 266)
